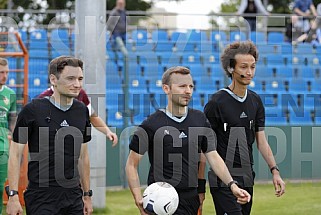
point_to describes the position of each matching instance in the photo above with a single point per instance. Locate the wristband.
(231, 183)
(274, 168)
(201, 186)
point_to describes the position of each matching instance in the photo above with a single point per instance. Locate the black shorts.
(54, 201)
(226, 203)
(188, 204)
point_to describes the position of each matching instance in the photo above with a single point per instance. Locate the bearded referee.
(173, 138)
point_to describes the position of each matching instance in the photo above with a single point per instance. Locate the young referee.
(57, 129)
(174, 138)
(237, 116)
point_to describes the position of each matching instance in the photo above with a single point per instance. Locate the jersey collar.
(239, 99)
(176, 119)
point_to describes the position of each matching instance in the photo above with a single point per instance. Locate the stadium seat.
(198, 70)
(169, 58)
(278, 71)
(178, 37)
(265, 48)
(303, 48)
(155, 86)
(114, 118)
(160, 36)
(56, 53)
(237, 36)
(274, 116)
(38, 44)
(137, 85)
(258, 37)
(38, 35)
(163, 46)
(269, 99)
(59, 34)
(152, 71)
(275, 85)
(34, 53)
(143, 47)
(144, 58)
(209, 58)
(286, 48)
(218, 36)
(275, 38)
(256, 85)
(274, 59)
(197, 36)
(298, 85)
(181, 43)
(160, 100)
(191, 58)
(315, 86)
(301, 117)
(23, 34)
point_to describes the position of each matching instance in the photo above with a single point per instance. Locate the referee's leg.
(225, 202)
(188, 206)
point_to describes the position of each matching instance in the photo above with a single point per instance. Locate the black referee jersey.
(173, 145)
(235, 121)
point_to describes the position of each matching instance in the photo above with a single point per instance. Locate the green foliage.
(230, 6)
(132, 5)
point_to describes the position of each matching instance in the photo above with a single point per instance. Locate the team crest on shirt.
(6, 100)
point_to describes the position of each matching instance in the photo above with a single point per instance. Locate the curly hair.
(228, 56)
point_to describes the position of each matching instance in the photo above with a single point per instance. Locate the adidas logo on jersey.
(64, 124)
(182, 135)
(243, 115)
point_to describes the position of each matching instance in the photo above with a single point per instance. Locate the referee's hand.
(14, 206)
(242, 196)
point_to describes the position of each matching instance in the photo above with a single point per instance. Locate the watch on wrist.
(88, 193)
(13, 193)
(274, 168)
(231, 183)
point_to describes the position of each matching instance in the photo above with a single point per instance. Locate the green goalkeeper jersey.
(7, 106)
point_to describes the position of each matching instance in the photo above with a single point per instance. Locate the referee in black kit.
(57, 129)
(237, 116)
(174, 138)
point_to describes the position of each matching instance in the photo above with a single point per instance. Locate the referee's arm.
(267, 154)
(15, 155)
(133, 179)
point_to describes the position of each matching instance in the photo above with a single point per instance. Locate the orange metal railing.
(23, 53)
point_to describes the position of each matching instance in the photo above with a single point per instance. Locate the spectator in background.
(252, 7)
(117, 21)
(303, 8)
(313, 35)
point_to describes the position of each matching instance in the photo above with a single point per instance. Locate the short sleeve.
(87, 133)
(260, 116)
(23, 126)
(140, 140)
(211, 112)
(13, 103)
(209, 140)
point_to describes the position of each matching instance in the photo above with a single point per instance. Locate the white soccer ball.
(160, 198)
